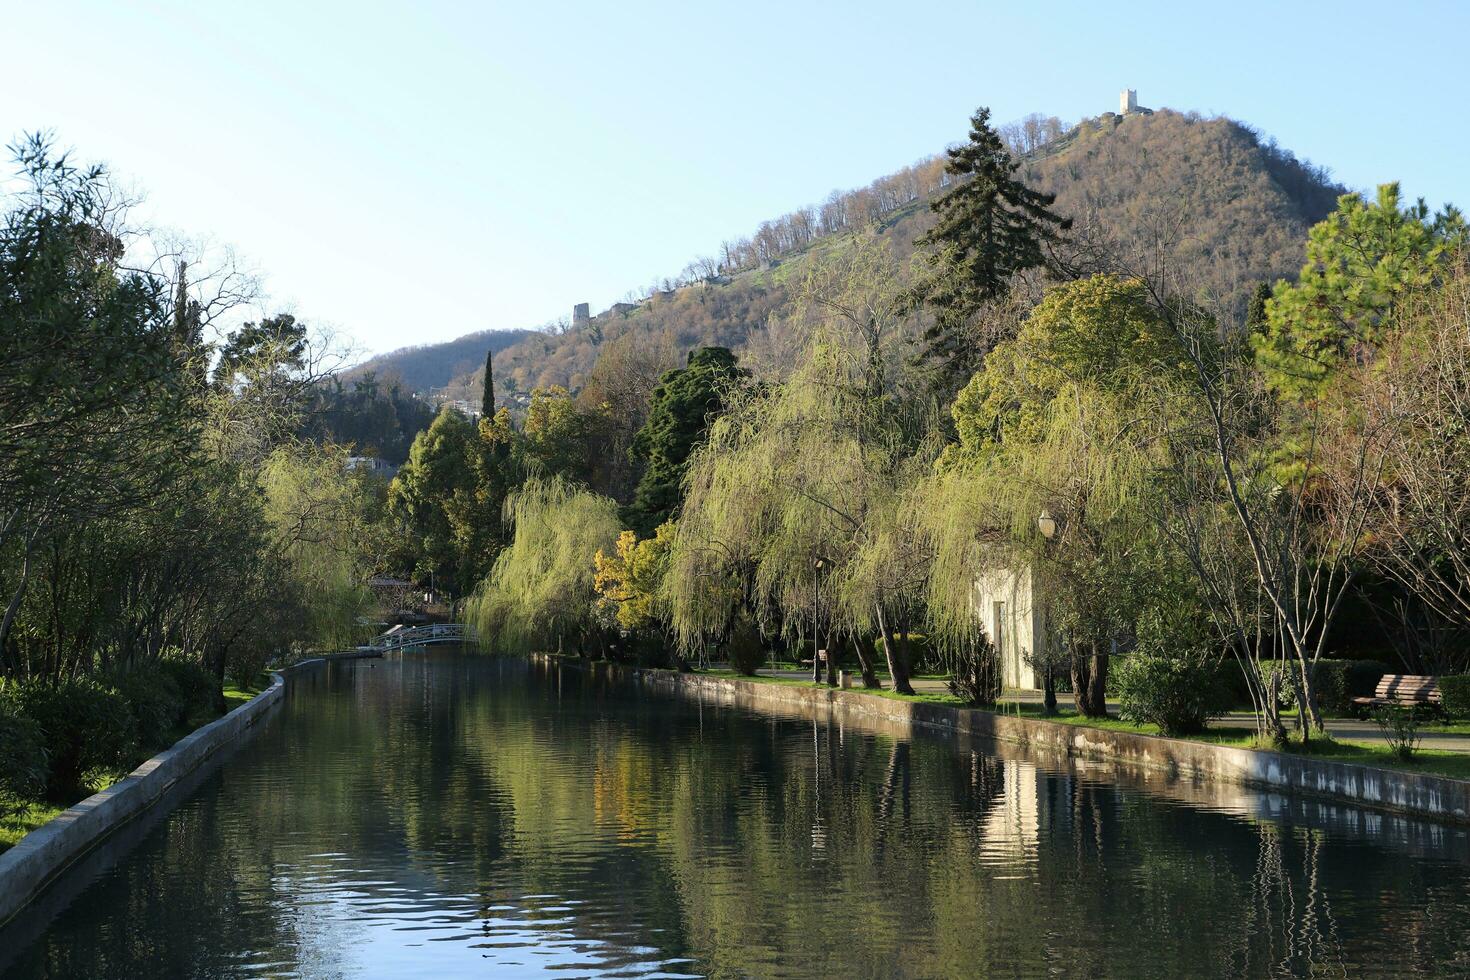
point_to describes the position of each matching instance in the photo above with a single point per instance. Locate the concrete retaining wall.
(50, 849)
(1397, 791)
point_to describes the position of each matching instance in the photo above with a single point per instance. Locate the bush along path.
(61, 741)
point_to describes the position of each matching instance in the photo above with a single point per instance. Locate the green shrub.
(153, 699)
(975, 674)
(1400, 726)
(85, 724)
(1455, 690)
(199, 690)
(1335, 682)
(1179, 694)
(1172, 679)
(744, 649)
(22, 761)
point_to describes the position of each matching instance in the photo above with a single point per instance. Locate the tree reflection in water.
(455, 814)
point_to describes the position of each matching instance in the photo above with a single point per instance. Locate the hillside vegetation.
(1234, 208)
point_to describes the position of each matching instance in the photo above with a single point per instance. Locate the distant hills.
(429, 366)
(1237, 207)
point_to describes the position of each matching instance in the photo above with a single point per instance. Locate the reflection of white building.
(1015, 621)
(1012, 827)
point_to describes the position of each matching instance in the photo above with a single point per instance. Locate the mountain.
(1236, 208)
(427, 366)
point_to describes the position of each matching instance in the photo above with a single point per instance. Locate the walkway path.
(1345, 729)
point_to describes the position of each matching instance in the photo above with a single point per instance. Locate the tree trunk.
(898, 668)
(865, 663)
(1049, 691)
(1089, 683)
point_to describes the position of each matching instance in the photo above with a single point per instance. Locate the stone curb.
(1416, 794)
(43, 854)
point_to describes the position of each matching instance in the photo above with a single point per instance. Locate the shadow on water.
(454, 814)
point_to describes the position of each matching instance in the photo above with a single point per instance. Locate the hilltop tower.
(1127, 101)
(581, 315)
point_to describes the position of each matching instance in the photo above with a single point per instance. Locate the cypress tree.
(991, 226)
(487, 400)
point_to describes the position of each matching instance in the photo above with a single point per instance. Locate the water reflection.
(452, 816)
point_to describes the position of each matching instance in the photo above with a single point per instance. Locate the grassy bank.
(16, 825)
(1437, 762)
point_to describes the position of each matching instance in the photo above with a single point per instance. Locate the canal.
(442, 815)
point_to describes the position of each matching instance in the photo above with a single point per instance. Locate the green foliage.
(1098, 334)
(317, 514)
(376, 417)
(541, 590)
(442, 502)
(683, 405)
(1399, 724)
(1455, 690)
(86, 725)
(198, 689)
(562, 437)
(153, 699)
(976, 673)
(22, 759)
(991, 226)
(743, 647)
(1173, 678)
(1360, 261)
(1334, 682)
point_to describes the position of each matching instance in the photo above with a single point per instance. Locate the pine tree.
(991, 226)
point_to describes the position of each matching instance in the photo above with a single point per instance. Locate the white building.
(1015, 621)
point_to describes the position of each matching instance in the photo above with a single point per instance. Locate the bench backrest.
(1408, 687)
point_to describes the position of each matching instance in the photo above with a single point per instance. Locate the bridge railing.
(423, 636)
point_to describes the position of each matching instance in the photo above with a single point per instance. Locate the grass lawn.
(1436, 762)
(16, 825)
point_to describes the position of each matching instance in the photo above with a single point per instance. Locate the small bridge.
(400, 637)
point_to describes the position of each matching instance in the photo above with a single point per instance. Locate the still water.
(442, 815)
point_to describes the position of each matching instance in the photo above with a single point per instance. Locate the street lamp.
(817, 626)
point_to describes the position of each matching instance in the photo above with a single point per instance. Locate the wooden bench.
(1408, 690)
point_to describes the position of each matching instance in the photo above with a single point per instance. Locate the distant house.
(373, 465)
(1014, 619)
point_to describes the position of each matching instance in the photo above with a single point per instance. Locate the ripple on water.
(449, 817)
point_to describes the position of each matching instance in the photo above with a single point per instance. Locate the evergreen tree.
(487, 400)
(1360, 261)
(991, 226)
(683, 405)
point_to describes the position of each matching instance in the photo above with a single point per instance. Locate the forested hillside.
(1234, 208)
(433, 365)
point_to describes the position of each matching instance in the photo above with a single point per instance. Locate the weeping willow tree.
(541, 590)
(1056, 437)
(317, 512)
(793, 509)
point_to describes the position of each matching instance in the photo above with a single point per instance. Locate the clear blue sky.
(413, 172)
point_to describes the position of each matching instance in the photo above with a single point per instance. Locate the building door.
(1008, 671)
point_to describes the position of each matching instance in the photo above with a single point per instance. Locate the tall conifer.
(991, 226)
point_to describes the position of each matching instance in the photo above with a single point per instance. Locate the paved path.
(1344, 729)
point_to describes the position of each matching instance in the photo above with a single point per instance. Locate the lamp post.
(817, 626)
(1047, 525)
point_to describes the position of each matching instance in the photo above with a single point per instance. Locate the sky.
(407, 173)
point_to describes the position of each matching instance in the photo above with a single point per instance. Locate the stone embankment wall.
(1180, 760)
